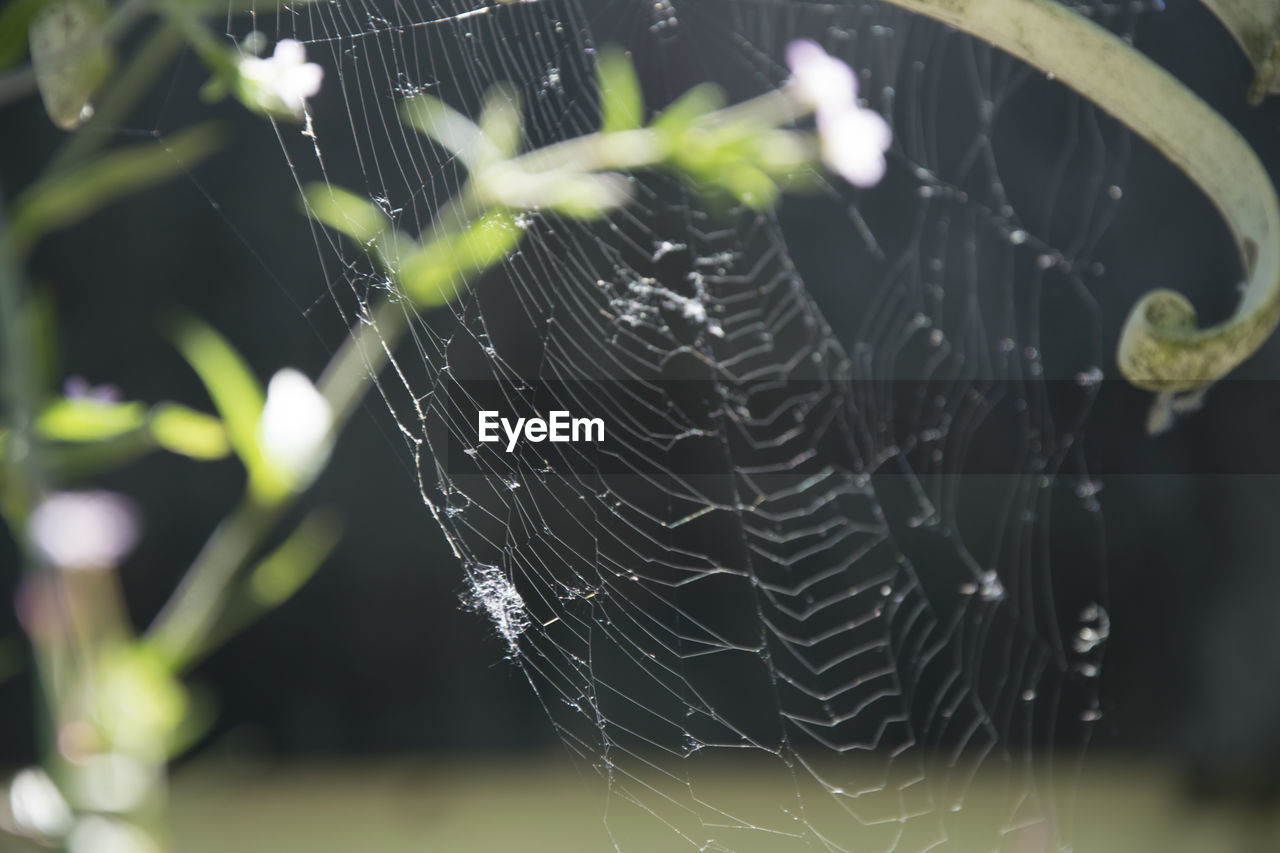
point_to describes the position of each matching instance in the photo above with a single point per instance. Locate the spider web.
(841, 540)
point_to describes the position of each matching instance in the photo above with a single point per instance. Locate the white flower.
(853, 144)
(294, 432)
(853, 138)
(83, 531)
(36, 804)
(283, 81)
(819, 79)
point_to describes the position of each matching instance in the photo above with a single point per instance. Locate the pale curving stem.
(1161, 348)
(1255, 25)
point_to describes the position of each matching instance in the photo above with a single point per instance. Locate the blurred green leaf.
(689, 108)
(70, 56)
(787, 156)
(232, 386)
(747, 184)
(283, 572)
(188, 432)
(139, 701)
(702, 150)
(501, 124)
(345, 212)
(435, 274)
(458, 134)
(738, 159)
(15, 19)
(67, 197)
(361, 220)
(91, 436)
(621, 101)
(588, 196)
(82, 420)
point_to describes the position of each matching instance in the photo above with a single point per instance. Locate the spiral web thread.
(858, 601)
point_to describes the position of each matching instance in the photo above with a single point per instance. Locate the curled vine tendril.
(1161, 348)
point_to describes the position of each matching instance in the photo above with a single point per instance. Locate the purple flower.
(79, 388)
(84, 531)
(853, 138)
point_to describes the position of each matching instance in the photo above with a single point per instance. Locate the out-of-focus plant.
(114, 707)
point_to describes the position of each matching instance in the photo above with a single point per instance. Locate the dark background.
(375, 655)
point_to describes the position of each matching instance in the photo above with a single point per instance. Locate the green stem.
(193, 610)
(521, 181)
(633, 150)
(22, 478)
(361, 358)
(1160, 349)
